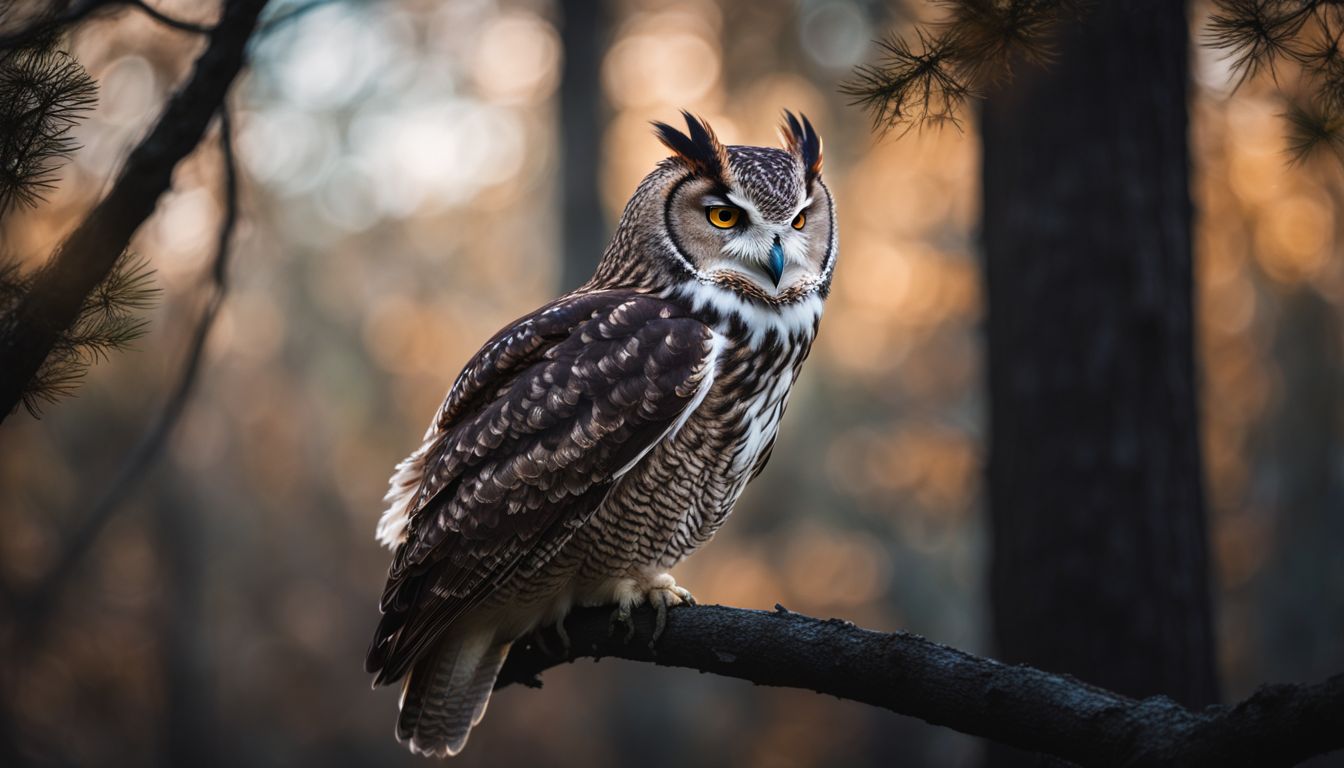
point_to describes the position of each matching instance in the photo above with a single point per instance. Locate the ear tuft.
(801, 139)
(698, 147)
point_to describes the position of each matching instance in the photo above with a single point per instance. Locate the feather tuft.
(699, 148)
(801, 139)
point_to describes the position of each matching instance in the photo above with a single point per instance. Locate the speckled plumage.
(593, 444)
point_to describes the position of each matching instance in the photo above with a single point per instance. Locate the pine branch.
(914, 83)
(927, 76)
(1314, 128)
(43, 94)
(107, 322)
(1262, 35)
(59, 290)
(1016, 705)
(1256, 33)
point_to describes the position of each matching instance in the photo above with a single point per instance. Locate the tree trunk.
(1099, 552)
(187, 736)
(584, 35)
(1299, 631)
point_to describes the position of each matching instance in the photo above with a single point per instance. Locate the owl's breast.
(676, 497)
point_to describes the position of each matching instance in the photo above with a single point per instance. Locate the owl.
(593, 444)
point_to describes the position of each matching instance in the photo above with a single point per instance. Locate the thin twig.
(1028, 708)
(42, 598)
(169, 21)
(80, 11)
(294, 13)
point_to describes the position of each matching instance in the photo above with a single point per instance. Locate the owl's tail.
(445, 695)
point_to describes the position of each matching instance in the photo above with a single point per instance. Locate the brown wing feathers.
(534, 431)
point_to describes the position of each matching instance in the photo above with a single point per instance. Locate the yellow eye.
(800, 221)
(723, 216)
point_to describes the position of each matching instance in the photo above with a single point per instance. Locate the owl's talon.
(544, 645)
(659, 623)
(663, 594)
(539, 639)
(621, 616)
(560, 632)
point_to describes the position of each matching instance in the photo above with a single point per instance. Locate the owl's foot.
(539, 637)
(560, 632)
(663, 593)
(621, 616)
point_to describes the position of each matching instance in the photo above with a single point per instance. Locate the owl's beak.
(776, 264)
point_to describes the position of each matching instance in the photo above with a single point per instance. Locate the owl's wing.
(536, 430)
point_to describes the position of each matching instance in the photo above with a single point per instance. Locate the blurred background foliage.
(405, 169)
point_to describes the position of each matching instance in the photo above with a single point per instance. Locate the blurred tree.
(584, 33)
(1099, 562)
(1099, 543)
(1306, 489)
(80, 305)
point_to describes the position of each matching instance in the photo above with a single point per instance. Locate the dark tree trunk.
(1299, 630)
(584, 35)
(1099, 561)
(187, 737)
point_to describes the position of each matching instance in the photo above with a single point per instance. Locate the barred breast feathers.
(793, 320)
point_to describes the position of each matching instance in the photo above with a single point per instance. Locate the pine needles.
(43, 94)
(1302, 35)
(928, 77)
(108, 322)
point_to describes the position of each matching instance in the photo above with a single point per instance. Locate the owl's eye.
(723, 216)
(800, 221)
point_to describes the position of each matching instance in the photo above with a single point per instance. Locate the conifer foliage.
(44, 93)
(928, 77)
(928, 74)
(1297, 43)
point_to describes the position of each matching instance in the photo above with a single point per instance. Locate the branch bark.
(87, 256)
(1016, 705)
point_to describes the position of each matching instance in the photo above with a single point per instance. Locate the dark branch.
(44, 597)
(168, 21)
(79, 11)
(85, 259)
(1017, 705)
(293, 13)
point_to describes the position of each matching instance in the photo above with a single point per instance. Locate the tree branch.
(80, 11)
(1016, 705)
(90, 252)
(169, 21)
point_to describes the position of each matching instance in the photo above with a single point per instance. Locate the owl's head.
(756, 221)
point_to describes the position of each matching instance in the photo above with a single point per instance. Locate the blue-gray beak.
(776, 265)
